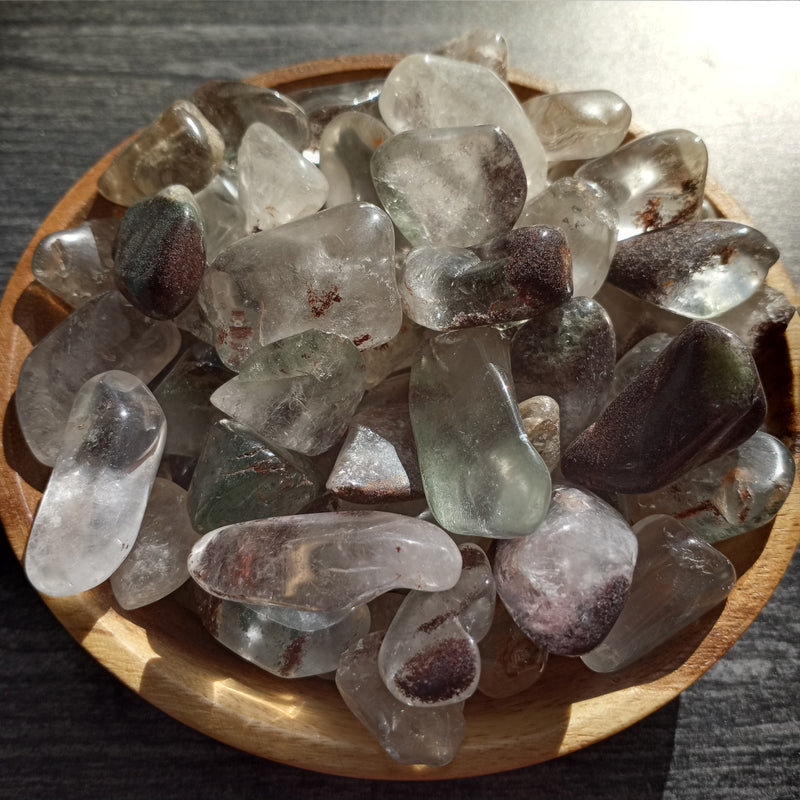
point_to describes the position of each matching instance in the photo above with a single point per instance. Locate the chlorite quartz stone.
(276, 184)
(429, 656)
(105, 333)
(223, 216)
(654, 181)
(90, 513)
(77, 264)
(567, 353)
(345, 152)
(510, 278)
(450, 186)
(579, 125)
(409, 734)
(159, 255)
(232, 107)
(156, 565)
(180, 146)
(299, 392)
(324, 562)
(698, 269)
(281, 650)
(735, 493)
(479, 46)
(589, 220)
(239, 476)
(566, 583)
(482, 477)
(333, 271)
(431, 91)
(699, 398)
(678, 578)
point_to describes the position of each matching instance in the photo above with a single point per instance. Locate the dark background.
(77, 78)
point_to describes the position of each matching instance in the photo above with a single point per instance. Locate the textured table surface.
(76, 78)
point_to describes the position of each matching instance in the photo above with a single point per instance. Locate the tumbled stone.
(541, 423)
(578, 125)
(318, 279)
(510, 278)
(159, 255)
(654, 181)
(697, 269)
(677, 579)
(479, 46)
(410, 735)
(733, 494)
(156, 565)
(278, 649)
(567, 353)
(395, 355)
(637, 358)
(326, 561)
(90, 512)
(589, 220)
(232, 107)
(431, 91)
(299, 392)
(77, 264)
(223, 216)
(300, 620)
(239, 476)
(450, 186)
(345, 151)
(481, 475)
(700, 397)
(180, 146)
(429, 656)
(104, 333)
(565, 583)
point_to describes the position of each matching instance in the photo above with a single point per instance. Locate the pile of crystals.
(363, 360)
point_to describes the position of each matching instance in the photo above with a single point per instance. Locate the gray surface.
(77, 78)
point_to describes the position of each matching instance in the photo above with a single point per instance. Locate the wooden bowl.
(163, 653)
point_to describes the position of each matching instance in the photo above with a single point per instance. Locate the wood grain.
(162, 652)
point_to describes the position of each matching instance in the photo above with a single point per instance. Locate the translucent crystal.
(431, 91)
(105, 333)
(276, 184)
(77, 264)
(326, 561)
(239, 476)
(410, 735)
(540, 421)
(700, 397)
(510, 278)
(677, 579)
(180, 146)
(589, 220)
(90, 513)
(567, 353)
(223, 216)
(395, 355)
(735, 493)
(301, 620)
(450, 186)
(470, 439)
(579, 125)
(156, 565)
(299, 392)
(479, 46)
(566, 582)
(654, 181)
(318, 279)
(697, 269)
(637, 358)
(429, 656)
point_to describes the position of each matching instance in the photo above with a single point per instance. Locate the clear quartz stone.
(479, 46)
(223, 215)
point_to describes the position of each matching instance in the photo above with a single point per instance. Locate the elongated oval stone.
(90, 513)
(510, 278)
(105, 333)
(698, 269)
(432, 91)
(159, 255)
(326, 561)
(699, 398)
(450, 186)
(677, 579)
(481, 475)
(566, 583)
